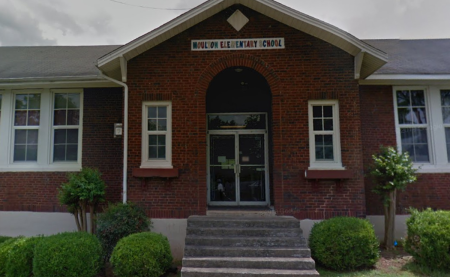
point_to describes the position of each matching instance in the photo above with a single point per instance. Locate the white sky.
(96, 22)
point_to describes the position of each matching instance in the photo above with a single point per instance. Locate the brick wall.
(378, 128)
(36, 191)
(307, 69)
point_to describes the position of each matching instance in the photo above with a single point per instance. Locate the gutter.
(52, 79)
(125, 135)
(17, 83)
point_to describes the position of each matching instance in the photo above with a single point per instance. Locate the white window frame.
(45, 140)
(79, 127)
(156, 163)
(318, 164)
(435, 131)
(444, 125)
(26, 127)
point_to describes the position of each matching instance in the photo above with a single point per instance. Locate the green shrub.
(3, 239)
(20, 261)
(5, 248)
(67, 255)
(428, 238)
(82, 194)
(344, 243)
(118, 221)
(141, 255)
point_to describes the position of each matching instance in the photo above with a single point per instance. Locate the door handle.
(237, 169)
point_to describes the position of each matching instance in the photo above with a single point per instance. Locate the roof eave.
(72, 81)
(406, 79)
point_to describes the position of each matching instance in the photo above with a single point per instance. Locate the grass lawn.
(395, 263)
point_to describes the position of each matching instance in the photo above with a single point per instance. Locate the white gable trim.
(373, 58)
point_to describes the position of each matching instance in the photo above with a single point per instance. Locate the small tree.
(83, 193)
(391, 171)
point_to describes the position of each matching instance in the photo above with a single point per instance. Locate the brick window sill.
(337, 175)
(146, 173)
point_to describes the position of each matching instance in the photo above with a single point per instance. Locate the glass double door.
(238, 168)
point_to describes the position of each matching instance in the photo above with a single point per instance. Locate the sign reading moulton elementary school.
(237, 44)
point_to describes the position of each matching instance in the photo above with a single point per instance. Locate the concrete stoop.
(219, 246)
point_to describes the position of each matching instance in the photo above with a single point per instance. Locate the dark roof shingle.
(50, 61)
(423, 56)
(428, 56)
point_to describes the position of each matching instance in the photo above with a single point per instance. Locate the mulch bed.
(396, 258)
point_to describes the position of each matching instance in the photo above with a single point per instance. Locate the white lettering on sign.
(237, 44)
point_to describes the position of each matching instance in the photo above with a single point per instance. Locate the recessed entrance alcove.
(237, 90)
(238, 105)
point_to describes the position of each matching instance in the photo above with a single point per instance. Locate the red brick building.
(234, 103)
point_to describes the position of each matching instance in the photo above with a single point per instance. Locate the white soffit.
(373, 58)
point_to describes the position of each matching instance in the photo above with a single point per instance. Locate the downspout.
(125, 135)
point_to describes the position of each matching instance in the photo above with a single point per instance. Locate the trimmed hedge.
(344, 243)
(428, 238)
(5, 248)
(20, 261)
(3, 239)
(142, 255)
(118, 221)
(68, 255)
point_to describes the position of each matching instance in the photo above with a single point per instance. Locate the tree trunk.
(92, 212)
(83, 217)
(389, 220)
(77, 220)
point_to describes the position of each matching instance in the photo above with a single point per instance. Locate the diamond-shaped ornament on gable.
(238, 20)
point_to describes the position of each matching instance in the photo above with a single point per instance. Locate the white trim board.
(406, 79)
(46, 83)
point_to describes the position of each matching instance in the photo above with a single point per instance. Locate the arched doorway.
(238, 105)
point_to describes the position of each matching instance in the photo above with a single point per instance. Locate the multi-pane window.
(66, 125)
(27, 114)
(324, 134)
(157, 132)
(412, 120)
(41, 129)
(445, 101)
(157, 137)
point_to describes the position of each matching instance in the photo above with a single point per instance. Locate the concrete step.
(240, 272)
(243, 222)
(250, 262)
(245, 232)
(232, 246)
(239, 213)
(211, 251)
(246, 241)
